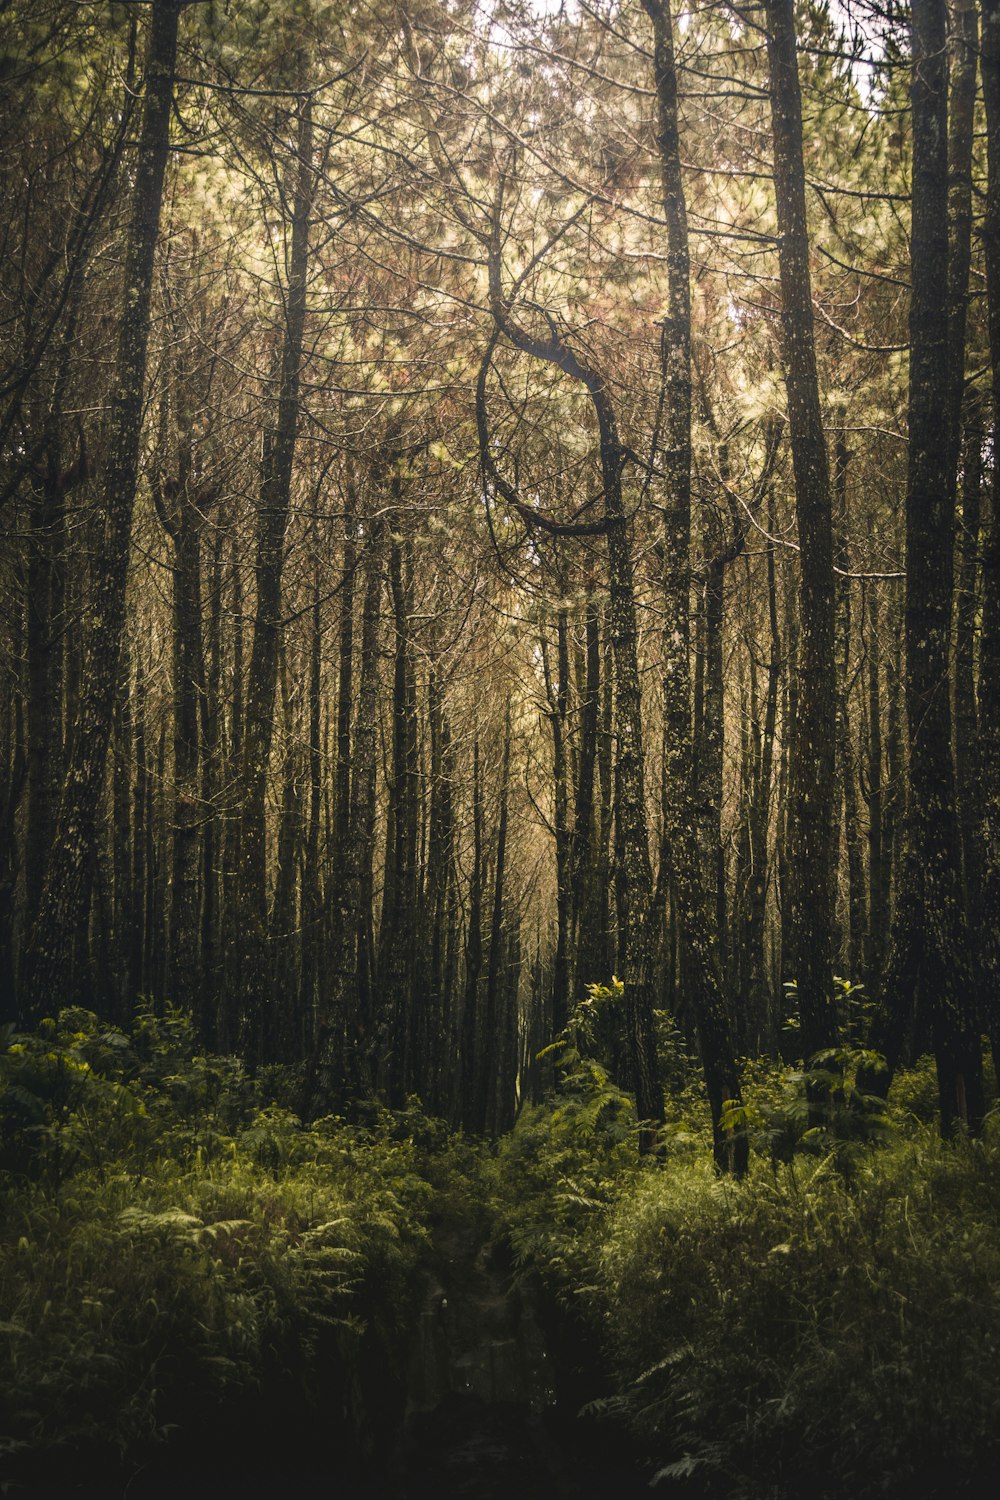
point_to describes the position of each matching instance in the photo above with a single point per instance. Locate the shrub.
(170, 1246)
(799, 1328)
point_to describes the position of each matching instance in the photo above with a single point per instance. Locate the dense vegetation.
(499, 607)
(187, 1267)
(177, 1248)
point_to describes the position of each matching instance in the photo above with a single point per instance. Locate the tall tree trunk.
(967, 608)
(491, 1065)
(211, 761)
(45, 635)
(932, 955)
(758, 995)
(697, 899)
(557, 694)
(343, 1044)
(878, 863)
(964, 51)
(62, 903)
(121, 824)
(472, 1039)
(397, 930)
(439, 891)
(812, 779)
(181, 514)
(587, 927)
(846, 761)
(13, 777)
(137, 947)
(228, 1010)
(989, 656)
(284, 919)
(313, 903)
(258, 728)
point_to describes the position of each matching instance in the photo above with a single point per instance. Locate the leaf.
(682, 1469)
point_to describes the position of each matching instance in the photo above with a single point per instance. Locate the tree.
(695, 893)
(932, 957)
(47, 961)
(812, 783)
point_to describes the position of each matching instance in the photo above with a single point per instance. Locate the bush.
(803, 1329)
(171, 1248)
(561, 1165)
(829, 1325)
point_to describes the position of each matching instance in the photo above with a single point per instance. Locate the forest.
(499, 747)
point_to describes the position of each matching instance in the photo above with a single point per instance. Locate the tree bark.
(343, 1034)
(258, 728)
(812, 779)
(696, 897)
(989, 656)
(933, 961)
(48, 955)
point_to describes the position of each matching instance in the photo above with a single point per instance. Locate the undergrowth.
(174, 1248)
(177, 1249)
(829, 1325)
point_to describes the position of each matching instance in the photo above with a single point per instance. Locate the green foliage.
(168, 1241)
(176, 1246)
(565, 1157)
(826, 1113)
(854, 1011)
(800, 1328)
(830, 1324)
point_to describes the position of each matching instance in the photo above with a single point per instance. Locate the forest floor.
(202, 1297)
(490, 1411)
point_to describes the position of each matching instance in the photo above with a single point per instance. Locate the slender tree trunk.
(697, 899)
(812, 778)
(933, 959)
(211, 761)
(276, 487)
(472, 1038)
(397, 929)
(13, 777)
(62, 903)
(878, 873)
(759, 988)
(967, 609)
(186, 958)
(587, 923)
(284, 918)
(557, 694)
(343, 1039)
(491, 1066)
(989, 655)
(846, 759)
(137, 947)
(313, 903)
(229, 920)
(45, 641)
(121, 831)
(439, 891)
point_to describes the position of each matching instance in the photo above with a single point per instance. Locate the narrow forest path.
(486, 1416)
